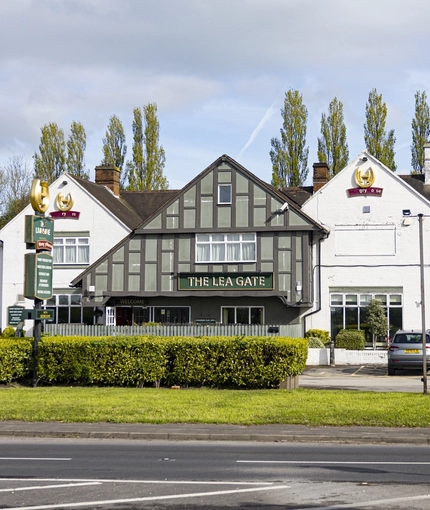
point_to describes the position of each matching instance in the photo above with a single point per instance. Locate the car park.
(406, 351)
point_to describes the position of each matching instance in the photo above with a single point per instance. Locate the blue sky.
(217, 69)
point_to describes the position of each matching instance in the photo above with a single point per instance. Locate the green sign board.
(14, 315)
(38, 276)
(225, 281)
(39, 232)
(43, 315)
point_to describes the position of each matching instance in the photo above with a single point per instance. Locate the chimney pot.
(108, 175)
(321, 175)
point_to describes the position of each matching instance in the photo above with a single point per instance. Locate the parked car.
(406, 351)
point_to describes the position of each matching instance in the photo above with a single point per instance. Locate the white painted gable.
(92, 220)
(371, 243)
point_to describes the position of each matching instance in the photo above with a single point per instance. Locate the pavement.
(369, 378)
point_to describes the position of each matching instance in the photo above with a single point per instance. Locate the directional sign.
(14, 315)
(38, 276)
(39, 232)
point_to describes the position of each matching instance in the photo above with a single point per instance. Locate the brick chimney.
(108, 175)
(427, 163)
(321, 175)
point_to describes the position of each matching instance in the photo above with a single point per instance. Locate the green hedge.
(315, 343)
(261, 362)
(318, 333)
(15, 358)
(352, 339)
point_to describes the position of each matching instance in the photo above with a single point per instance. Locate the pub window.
(226, 247)
(69, 310)
(71, 250)
(349, 311)
(242, 315)
(224, 193)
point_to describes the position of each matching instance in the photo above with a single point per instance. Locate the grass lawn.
(240, 407)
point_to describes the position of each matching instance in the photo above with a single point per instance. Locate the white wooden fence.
(289, 330)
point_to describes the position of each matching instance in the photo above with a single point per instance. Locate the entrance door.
(124, 316)
(110, 316)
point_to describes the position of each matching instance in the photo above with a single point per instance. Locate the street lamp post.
(423, 307)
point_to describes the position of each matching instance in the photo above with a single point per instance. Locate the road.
(41, 474)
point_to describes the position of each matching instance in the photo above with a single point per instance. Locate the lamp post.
(423, 307)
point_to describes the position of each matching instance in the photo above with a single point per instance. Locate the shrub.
(323, 335)
(352, 339)
(315, 343)
(15, 359)
(236, 362)
(8, 332)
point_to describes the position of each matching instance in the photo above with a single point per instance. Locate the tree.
(376, 320)
(114, 146)
(145, 171)
(15, 181)
(332, 146)
(378, 142)
(76, 145)
(51, 162)
(289, 154)
(420, 131)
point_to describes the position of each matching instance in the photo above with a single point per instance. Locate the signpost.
(39, 235)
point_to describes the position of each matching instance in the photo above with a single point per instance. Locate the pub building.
(228, 248)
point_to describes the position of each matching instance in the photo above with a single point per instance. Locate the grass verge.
(239, 407)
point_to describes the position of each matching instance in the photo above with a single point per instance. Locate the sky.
(218, 71)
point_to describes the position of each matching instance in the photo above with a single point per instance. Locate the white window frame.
(223, 202)
(212, 242)
(78, 241)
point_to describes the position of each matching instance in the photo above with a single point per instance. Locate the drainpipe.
(319, 284)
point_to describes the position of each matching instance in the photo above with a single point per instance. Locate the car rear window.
(409, 338)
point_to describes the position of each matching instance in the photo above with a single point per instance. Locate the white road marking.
(39, 487)
(363, 504)
(322, 462)
(98, 480)
(356, 372)
(150, 498)
(35, 458)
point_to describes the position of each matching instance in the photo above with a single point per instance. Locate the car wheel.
(391, 370)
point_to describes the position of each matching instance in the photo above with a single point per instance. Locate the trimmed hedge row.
(240, 362)
(15, 358)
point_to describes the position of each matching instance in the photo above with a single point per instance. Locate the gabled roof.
(417, 181)
(131, 207)
(117, 206)
(282, 197)
(298, 195)
(146, 203)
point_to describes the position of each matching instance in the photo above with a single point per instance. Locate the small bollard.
(332, 362)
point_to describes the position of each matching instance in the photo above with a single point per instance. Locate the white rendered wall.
(105, 230)
(376, 248)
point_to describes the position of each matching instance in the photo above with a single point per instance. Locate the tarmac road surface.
(365, 378)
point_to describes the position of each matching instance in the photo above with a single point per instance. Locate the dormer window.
(224, 194)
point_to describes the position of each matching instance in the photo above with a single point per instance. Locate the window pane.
(224, 193)
(76, 315)
(75, 299)
(202, 237)
(351, 299)
(63, 299)
(382, 298)
(242, 315)
(351, 318)
(233, 237)
(365, 299)
(396, 299)
(336, 321)
(337, 299)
